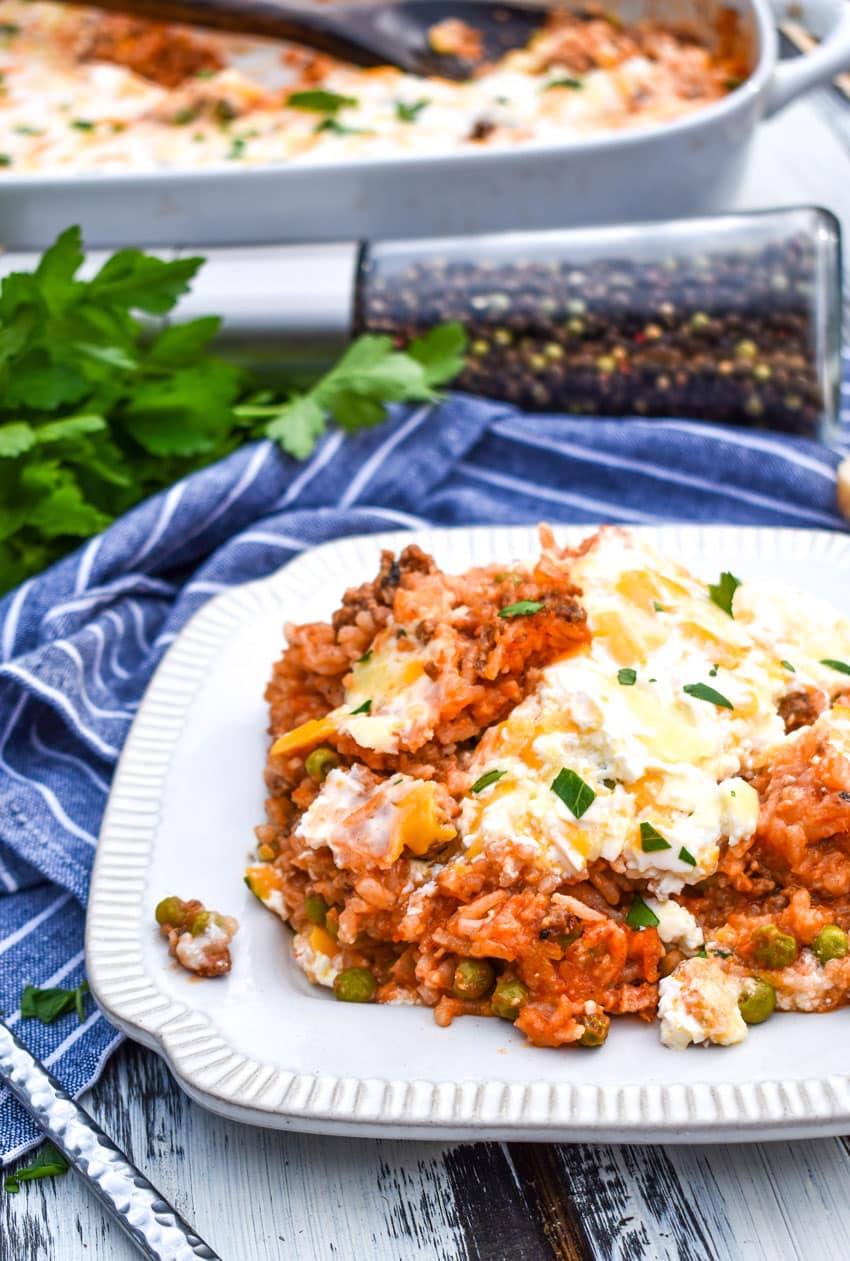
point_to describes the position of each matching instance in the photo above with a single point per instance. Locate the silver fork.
(157, 1229)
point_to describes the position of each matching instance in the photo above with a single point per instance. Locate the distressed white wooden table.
(262, 1196)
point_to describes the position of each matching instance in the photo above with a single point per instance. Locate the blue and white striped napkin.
(78, 644)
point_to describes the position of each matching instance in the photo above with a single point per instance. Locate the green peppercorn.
(553, 351)
(355, 985)
(321, 762)
(757, 1000)
(576, 306)
(606, 364)
(576, 326)
(508, 997)
(315, 908)
(595, 1029)
(774, 949)
(473, 978)
(700, 321)
(171, 911)
(746, 349)
(830, 943)
(480, 347)
(536, 362)
(502, 336)
(762, 372)
(754, 406)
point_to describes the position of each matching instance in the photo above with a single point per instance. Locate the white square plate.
(264, 1046)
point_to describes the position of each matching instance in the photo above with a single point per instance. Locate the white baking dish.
(691, 164)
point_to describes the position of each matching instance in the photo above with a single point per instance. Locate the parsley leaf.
(522, 608)
(652, 841)
(841, 666)
(574, 84)
(702, 692)
(97, 412)
(788, 666)
(49, 1005)
(627, 677)
(686, 856)
(50, 1163)
(576, 795)
(365, 708)
(319, 101)
(639, 915)
(723, 592)
(410, 113)
(488, 778)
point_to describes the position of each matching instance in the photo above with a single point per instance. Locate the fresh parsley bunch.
(96, 413)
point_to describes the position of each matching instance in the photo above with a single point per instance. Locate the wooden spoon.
(390, 33)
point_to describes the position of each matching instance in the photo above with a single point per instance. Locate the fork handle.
(323, 30)
(157, 1229)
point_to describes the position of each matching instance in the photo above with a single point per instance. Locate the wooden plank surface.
(263, 1196)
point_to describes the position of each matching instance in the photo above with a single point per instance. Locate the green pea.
(830, 943)
(355, 985)
(774, 949)
(669, 962)
(320, 762)
(315, 908)
(595, 1030)
(170, 911)
(508, 998)
(473, 978)
(565, 940)
(756, 1000)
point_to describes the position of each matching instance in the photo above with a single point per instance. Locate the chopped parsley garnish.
(627, 676)
(49, 1163)
(685, 856)
(574, 84)
(659, 608)
(488, 778)
(29, 131)
(9, 29)
(841, 666)
(639, 914)
(365, 708)
(722, 592)
(49, 1005)
(237, 148)
(721, 954)
(702, 953)
(367, 656)
(712, 674)
(522, 608)
(576, 795)
(184, 116)
(337, 129)
(410, 113)
(5, 159)
(702, 692)
(82, 124)
(651, 840)
(204, 73)
(610, 783)
(318, 101)
(788, 666)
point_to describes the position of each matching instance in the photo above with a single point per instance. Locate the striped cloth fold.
(79, 643)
